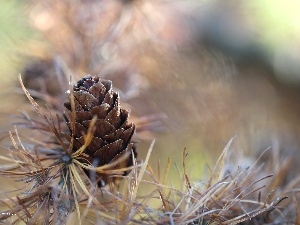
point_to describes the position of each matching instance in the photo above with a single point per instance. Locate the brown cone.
(112, 137)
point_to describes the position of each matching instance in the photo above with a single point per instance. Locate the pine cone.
(113, 132)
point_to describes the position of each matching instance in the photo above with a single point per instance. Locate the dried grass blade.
(216, 172)
(73, 186)
(87, 138)
(77, 177)
(139, 179)
(187, 180)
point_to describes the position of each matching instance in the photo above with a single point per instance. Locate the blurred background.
(194, 73)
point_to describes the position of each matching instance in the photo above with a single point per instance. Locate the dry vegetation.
(54, 184)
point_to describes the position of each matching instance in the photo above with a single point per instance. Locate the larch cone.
(113, 133)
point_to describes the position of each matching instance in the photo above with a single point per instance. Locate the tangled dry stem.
(55, 186)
